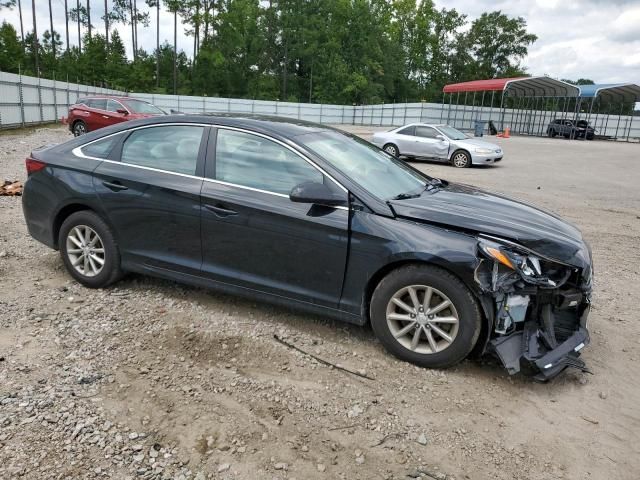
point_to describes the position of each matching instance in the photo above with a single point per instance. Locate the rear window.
(173, 148)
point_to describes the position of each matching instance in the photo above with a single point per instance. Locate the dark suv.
(570, 129)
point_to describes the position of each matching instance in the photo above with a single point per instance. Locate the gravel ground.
(154, 380)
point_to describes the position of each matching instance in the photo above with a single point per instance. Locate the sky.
(596, 39)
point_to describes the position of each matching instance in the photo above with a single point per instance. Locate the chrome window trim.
(77, 151)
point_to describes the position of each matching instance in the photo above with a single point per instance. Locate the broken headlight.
(532, 268)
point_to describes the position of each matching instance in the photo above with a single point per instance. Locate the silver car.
(437, 142)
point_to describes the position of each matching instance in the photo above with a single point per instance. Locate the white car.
(437, 142)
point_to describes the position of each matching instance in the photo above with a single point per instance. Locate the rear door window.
(173, 148)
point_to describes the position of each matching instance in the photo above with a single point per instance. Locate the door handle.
(115, 186)
(105, 116)
(219, 211)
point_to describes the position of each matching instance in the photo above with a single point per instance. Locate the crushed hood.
(471, 209)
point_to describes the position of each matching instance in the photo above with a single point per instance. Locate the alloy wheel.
(85, 250)
(422, 319)
(79, 129)
(460, 160)
(391, 150)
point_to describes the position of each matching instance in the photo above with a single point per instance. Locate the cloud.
(595, 39)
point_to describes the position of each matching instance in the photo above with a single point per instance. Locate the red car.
(91, 113)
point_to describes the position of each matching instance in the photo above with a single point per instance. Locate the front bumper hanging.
(531, 349)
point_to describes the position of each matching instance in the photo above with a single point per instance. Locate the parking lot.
(151, 379)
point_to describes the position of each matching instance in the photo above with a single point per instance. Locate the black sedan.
(308, 216)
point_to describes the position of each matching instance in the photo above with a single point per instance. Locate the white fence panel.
(29, 100)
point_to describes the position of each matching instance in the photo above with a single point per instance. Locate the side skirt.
(244, 292)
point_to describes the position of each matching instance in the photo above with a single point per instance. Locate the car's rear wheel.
(79, 128)
(552, 133)
(89, 250)
(461, 159)
(426, 316)
(392, 149)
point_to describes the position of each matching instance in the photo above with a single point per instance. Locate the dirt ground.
(154, 380)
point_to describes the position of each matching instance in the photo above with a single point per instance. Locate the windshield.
(381, 174)
(138, 106)
(452, 133)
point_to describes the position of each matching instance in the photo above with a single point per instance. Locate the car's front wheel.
(89, 250)
(79, 128)
(426, 316)
(461, 159)
(391, 149)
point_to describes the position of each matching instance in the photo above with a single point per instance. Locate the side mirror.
(316, 193)
(442, 138)
(122, 111)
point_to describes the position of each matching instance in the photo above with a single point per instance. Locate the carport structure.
(524, 104)
(609, 108)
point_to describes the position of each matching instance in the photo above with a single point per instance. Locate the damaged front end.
(540, 307)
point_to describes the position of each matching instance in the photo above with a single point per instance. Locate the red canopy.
(493, 84)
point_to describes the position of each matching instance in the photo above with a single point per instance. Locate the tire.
(552, 133)
(463, 335)
(391, 149)
(460, 159)
(79, 128)
(82, 225)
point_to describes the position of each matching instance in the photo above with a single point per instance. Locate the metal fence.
(30, 100)
(320, 113)
(525, 122)
(534, 122)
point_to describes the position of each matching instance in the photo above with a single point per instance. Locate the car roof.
(111, 97)
(419, 124)
(272, 125)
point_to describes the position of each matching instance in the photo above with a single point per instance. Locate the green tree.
(493, 47)
(580, 81)
(117, 66)
(50, 52)
(11, 52)
(330, 51)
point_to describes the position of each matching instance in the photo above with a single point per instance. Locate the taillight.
(34, 165)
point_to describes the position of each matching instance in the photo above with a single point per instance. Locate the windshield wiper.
(433, 183)
(404, 196)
